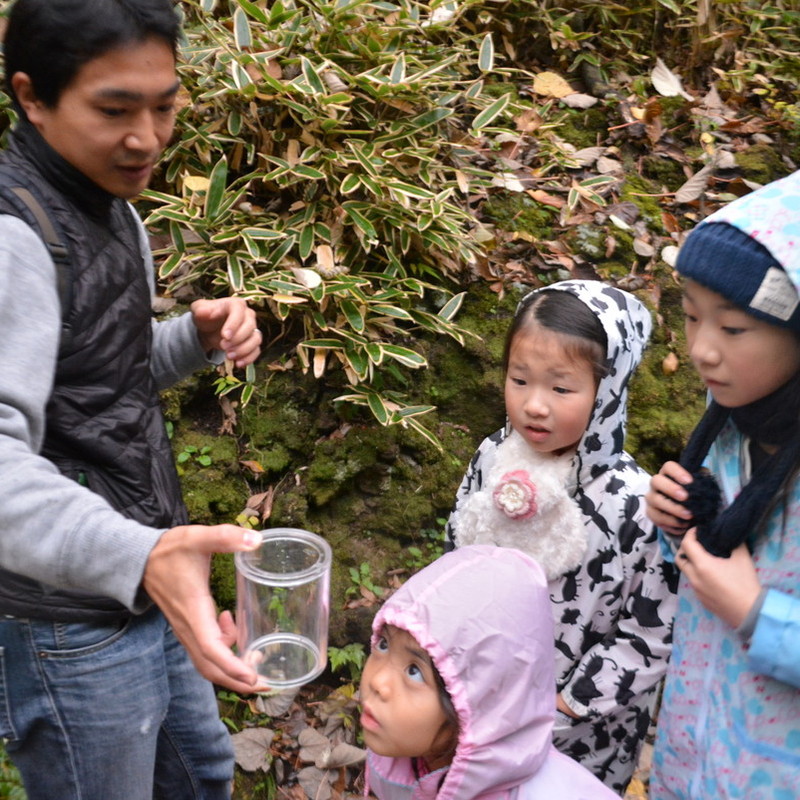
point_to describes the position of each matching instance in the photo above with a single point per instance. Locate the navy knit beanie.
(726, 260)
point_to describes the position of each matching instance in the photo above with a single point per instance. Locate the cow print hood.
(627, 324)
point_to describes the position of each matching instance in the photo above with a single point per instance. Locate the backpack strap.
(30, 209)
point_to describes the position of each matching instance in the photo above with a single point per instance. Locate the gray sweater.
(52, 529)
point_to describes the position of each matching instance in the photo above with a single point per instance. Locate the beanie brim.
(731, 263)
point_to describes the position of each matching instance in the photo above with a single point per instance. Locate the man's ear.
(23, 88)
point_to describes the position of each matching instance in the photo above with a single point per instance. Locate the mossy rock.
(675, 111)
(761, 163)
(664, 405)
(215, 491)
(371, 493)
(585, 128)
(590, 242)
(665, 172)
(644, 193)
(516, 211)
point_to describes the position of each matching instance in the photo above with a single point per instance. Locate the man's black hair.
(51, 40)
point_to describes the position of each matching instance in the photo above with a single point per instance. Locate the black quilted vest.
(104, 426)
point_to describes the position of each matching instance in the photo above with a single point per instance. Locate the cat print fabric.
(613, 612)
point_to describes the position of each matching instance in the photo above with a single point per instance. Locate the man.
(98, 700)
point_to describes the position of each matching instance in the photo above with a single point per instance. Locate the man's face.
(115, 117)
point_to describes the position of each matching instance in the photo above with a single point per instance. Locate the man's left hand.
(228, 324)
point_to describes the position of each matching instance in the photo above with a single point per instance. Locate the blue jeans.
(109, 712)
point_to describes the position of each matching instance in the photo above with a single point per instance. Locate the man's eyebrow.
(134, 97)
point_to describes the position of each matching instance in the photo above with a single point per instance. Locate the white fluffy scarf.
(524, 503)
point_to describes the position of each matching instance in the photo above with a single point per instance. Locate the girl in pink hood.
(458, 693)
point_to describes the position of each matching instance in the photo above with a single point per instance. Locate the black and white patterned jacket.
(613, 613)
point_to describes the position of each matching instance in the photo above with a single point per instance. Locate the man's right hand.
(177, 579)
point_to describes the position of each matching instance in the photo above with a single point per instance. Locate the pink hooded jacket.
(483, 615)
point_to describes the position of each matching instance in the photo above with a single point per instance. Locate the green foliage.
(198, 455)
(746, 37)
(10, 781)
(430, 548)
(350, 658)
(322, 171)
(361, 577)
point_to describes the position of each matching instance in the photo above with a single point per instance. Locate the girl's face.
(549, 394)
(739, 357)
(402, 715)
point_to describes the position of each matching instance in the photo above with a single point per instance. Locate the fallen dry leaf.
(670, 364)
(508, 181)
(609, 166)
(541, 196)
(528, 121)
(315, 782)
(253, 466)
(251, 748)
(669, 255)
(666, 82)
(274, 704)
(643, 248)
(670, 222)
(695, 186)
(550, 84)
(587, 156)
(314, 747)
(579, 100)
(745, 127)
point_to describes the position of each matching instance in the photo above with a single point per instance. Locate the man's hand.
(665, 497)
(177, 579)
(228, 324)
(727, 587)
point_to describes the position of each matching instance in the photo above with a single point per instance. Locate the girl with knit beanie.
(729, 726)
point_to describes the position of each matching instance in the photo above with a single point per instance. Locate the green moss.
(223, 581)
(212, 493)
(613, 269)
(588, 241)
(591, 242)
(664, 408)
(585, 128)
(640, 191)
(515, 211)
(664, 172)
(674, 111)
(274, 460)
(276, 418)
(761, 163)
(492, 89)
(338, 462)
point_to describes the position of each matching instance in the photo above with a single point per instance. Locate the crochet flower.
(515, 495)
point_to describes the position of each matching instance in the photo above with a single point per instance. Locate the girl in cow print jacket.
(570, 354)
